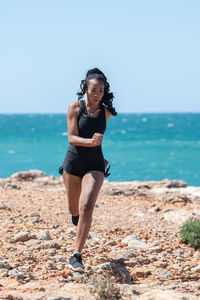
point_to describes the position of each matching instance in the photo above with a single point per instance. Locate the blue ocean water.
(138, 146)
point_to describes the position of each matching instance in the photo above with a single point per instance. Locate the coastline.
(134, 237)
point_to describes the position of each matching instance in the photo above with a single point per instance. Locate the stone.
(27, 175)
(163, 274)
(155, 209)
(5, 265)
(63, 297)
(166, 295)
(136, 243)
(2, 206)
(17, 273)
(128, 239)
(196, 269)
(44, 235)
(156, 249)
(71, 231)
(51, 251)
(22, 236)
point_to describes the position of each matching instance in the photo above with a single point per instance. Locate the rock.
(43, 235)
(5, 265)
(27, 175)
(179, 252)
(92, 235)
(163, 274)
(22, 236)
(173, 183)
(77, 276)
(166, 295)
(155, 209)
(134, 242)
(51, 251)
(18, 274)
(179, 216)
(59, 258)
(121, 254)
(128, 239)
(52, 244)
(141, 272)
(197, 255)
(156, 249)
(138, 244)
(196, 269)
(63, 297)
(3, 273)
(71, 231)
(34, 214)
(2, 206)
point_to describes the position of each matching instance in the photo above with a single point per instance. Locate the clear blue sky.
(148, 49)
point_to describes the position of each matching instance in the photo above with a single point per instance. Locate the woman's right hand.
(96, 139)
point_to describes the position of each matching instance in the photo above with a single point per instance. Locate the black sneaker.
(75, 262)
(74, 220)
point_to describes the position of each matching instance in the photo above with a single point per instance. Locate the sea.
(138, 146)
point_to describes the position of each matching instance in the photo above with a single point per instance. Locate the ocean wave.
(11, 151)
(64, 133)
(170, 125)
(144, 119)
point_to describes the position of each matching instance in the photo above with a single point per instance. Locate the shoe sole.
(76, 270)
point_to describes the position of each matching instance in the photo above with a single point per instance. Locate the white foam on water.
(123, 131)
(144, 119)
(64, 133)
(170, 125)
(124, 120)
(11, 151)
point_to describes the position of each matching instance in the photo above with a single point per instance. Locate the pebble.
(162, 273)
(179, 252)
(155, 209)
(71, 231)
(22, 236)
(44, 235)
(155, 249)
(2, 206)
(5, 265)
(18, 274)
(63, 297)
(196, 269)
(51, 251)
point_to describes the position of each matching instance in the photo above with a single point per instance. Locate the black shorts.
(80, 164)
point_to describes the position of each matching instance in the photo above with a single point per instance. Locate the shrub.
(190, 233)
(103, 288)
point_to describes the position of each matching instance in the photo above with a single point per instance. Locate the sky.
(148, 50)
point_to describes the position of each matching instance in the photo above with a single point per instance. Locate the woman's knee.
(86, 208)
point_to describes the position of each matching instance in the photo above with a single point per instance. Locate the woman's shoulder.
(74, 107)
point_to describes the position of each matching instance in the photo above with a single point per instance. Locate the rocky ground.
(134, 240)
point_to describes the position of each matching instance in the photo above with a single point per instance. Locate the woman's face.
(95, 91)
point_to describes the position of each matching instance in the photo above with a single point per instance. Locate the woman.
(84, 166)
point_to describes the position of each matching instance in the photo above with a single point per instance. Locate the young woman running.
(84, 166)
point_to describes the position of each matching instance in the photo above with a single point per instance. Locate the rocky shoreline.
(134, 239)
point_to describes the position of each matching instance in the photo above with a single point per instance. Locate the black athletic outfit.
(78, 159)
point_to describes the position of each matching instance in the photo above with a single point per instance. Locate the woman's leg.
(73, 189)
(91, 185)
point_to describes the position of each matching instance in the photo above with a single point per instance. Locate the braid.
(107, 98)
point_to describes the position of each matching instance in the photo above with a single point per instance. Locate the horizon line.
(61, 113)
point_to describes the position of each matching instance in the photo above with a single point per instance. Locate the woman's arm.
(108, 114)
(73, 137)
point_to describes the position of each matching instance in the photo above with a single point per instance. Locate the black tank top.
(87, 126)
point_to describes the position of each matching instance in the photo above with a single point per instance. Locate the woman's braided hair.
(107, 98)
